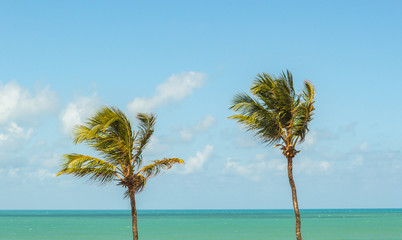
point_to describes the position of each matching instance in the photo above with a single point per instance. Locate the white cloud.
(363, 146)
(349, 128)
(245, 141)
(196, 163)
(311, 167)
(12, 136)
(255, 167)
(52, 160)
(357, 162)
(155, 147)
(77, 112)
(277, 164)
(45, 159)
(187, 134)
(205, 124)
(18, 131)
(14, 140)
(176, 88)
(260, 164)
(236, 168)
(13, 172)
(41, 174)
(17, 102)
(324, 165)
(27, 174)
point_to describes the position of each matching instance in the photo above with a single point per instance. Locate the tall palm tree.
(277, 116)
(109, 133)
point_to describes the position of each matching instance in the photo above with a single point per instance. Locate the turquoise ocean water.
(353, 224)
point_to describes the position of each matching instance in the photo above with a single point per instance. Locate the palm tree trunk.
(133, 213)
(294, 197)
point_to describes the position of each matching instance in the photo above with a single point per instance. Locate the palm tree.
(277, 116)
(109, 133)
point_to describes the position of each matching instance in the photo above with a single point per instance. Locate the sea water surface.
(356, 224)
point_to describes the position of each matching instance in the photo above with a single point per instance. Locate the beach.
(356, 224)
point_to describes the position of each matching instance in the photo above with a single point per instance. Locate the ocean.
(345, 224)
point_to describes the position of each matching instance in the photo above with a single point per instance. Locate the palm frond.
(245, 105)
(140, 182)
(157, 166)
(146, 129)
(86, 166)
(288, 77)
(263, 84)
(126, 194)
(263, 122)
(304, 112)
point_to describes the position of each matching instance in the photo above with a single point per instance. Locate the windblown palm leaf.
(157, 166)
(87, 166)
(109, 132)
(146, 127)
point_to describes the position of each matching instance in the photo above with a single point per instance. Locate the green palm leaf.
(87, 166)
(146, 129)
(304, 112)
(158, 165)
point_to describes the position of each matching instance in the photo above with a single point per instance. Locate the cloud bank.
(194, 164)
(187, 134)
(18, 103)
(176, 88)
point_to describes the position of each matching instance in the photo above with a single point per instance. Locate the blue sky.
(184, 61)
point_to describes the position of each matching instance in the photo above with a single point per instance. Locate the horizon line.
(201, 209)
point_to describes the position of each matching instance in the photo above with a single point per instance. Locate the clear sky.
(184, 61)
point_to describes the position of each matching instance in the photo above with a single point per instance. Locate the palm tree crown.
(109, 133)
(276, 114)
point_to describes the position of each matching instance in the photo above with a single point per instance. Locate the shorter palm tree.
(109, 133)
